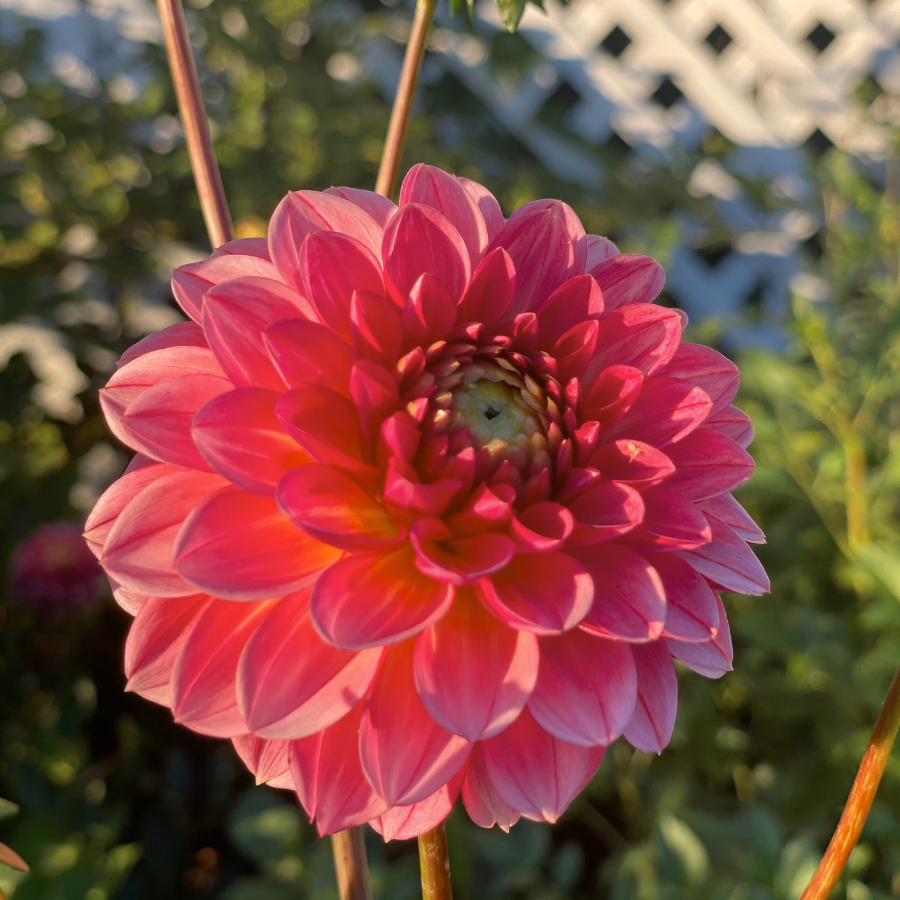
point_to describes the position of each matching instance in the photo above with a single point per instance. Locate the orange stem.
(351, 865)
(196, 125)
(406, 91)
(434, 861)
(861, 796)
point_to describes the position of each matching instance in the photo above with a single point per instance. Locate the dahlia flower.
(425, 503)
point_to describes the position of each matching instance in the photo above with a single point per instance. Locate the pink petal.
(545, 592)
(650, 727)
(574, 349)
(488, 206)
(369, 600)
(628, 278)
(240, 546)
(155, 639)
(635, 462)
(606, 510)
(535, 773)
(404, 492)
(733, 423)
(204, 685)
(191, 282)
(429, 313)
(728, 561)
(130, 601)
(598, 249)
(692, 612)
(671, 521)
(708, 464)
(379, 208)
(708, 369)
(586, 688)
(541, 527)
(435, 188)
(269, 761)
(329, 779)
(306, 352)
(629, 600)
(252, 246)
(375, 396)
(375, 325)
(490, 291)
(331, 507)
(235, 316)
(405, 755)
(483, 802)
(242, 438)
(571, 304)
(458, 560)
(729, 511)
(473, 673)
(139, 552)
(400, 823)
(292, 684)
(711, 658)
(182, 334)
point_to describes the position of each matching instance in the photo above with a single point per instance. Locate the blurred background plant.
(97, 205)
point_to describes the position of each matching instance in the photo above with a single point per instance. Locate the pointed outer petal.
(139, 551)
(711, 658)
(235, 316)
(731, 421)
(629, 278)
(586, 688)
(487, 205)
(458, 560)
(331, 507)
(728, 561)
(667, 410)
(612, 395)
(491, 291)
(483, 802)
(573, 351)
(535, 773)
(706, 368)
(158, 632)
(473, 673)
(598, 249)
(115, 498)
(400, 823)
(691, 607)
(569, 305)
(139, 461)
(204, 683)
(253, 246)
(292, 684)
(541, 527)
(729, 511)
(546, 593)
(670, 521)
(367, 601)
(241, 546)
(429, 313)
(379, 208)
(708, 464)
(130, 601)
(158, 423)
(155, 367)
(375, 327)
(634, 462)
(629, 599)
(329, 779)
(242, 438)
(543, 251)
(182, 334)
(302, 212)
(406, 756)
(333, 267)
(191, 282)
(435, 188)
(651, 725)
(640, 335)
(269, 761)
(375, 396)
(305, 352)
(399, 436)
(606, 510)
(486, 509)
(403, 494)
(420, 240)
(324, 424)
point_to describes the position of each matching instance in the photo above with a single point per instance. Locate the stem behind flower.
(351, 865)
(434, 861)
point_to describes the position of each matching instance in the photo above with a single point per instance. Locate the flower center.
(495, 413)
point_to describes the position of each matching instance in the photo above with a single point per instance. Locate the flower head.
(426, 501)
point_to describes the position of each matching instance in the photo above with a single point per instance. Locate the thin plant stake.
(434, 862)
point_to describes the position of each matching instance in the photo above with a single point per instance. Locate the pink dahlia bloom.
(426, 502)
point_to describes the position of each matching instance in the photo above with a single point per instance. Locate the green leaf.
(883, 563)
(8, 809)
(511, 12)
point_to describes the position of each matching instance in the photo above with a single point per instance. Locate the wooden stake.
(351, 865)
(434, 861)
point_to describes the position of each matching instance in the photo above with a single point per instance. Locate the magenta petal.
(629, 600)
(375, 396)
(429, 313)
(706, 368)
(241, 546)
(543, 592)
(628, 278)
(292, 684)
(375, 326)
(541, 527)
(182, 334)
(537, 774)
(708, 464)
(586, 688)
(571, 304)
(598, 249)
(369, 600)
(269, 761)
(606, 510)
(491, 290)
(400, 823)
(650, 727)
(488, 206)
(473, 673)
(692, 612)
(406, 756)
(458, 560)
(711, 658)
(634, 462)
(251, 246)
(204, 687)
(483, 802)
(305, 352)
(728, 510)
(381, 209)
(733, 423)
(670, 521)
(612, 394)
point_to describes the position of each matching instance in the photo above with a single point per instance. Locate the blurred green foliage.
(97, 204)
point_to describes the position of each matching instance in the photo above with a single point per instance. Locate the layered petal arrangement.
(426, 502)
